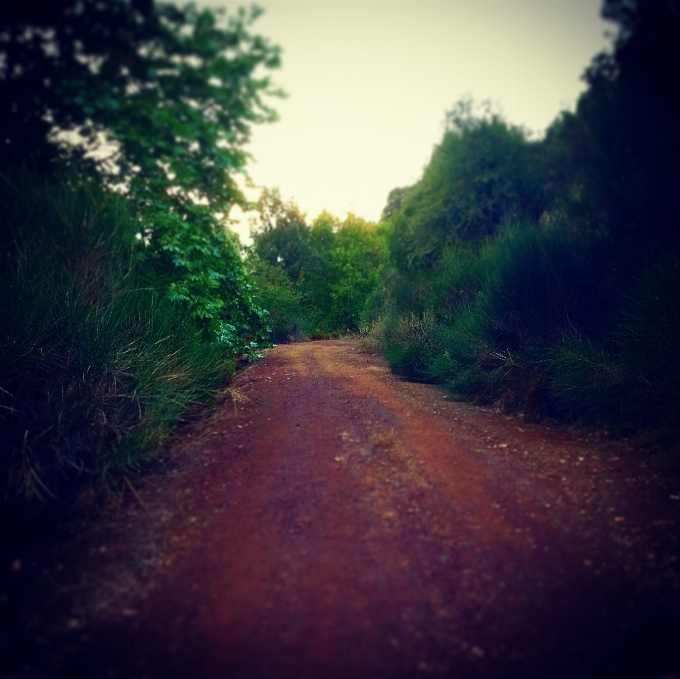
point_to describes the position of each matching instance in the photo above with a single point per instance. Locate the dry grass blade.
(237, 396)
(27, 479)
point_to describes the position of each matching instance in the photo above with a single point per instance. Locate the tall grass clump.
(622, 370)
(539, 288)
(410, 342)
(495, 305)
(650, 331)
(95, 366)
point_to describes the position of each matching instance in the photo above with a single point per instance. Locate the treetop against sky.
(370, 81)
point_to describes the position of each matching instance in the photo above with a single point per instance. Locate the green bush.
(95, 368)
(543, 321)
(275, 292)
(410, 342)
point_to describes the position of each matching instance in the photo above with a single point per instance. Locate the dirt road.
(343, 523)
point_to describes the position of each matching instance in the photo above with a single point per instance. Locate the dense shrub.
(95, 365)
(545, 321)
(276, 293)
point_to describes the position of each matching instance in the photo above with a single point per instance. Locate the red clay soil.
(341, 522)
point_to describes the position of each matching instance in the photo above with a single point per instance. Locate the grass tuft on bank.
(544, 322)
(96, 367)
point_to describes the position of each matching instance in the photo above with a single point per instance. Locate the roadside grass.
(544, 322)
(95, 366)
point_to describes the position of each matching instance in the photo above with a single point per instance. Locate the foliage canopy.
(484, 173)
(161, 101)
(173, 92)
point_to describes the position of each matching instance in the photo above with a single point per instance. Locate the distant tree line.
(313, 278)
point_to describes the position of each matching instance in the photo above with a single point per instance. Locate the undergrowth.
(545, 322)
(96, 367)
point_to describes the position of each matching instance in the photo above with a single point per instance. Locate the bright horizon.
(369, 83)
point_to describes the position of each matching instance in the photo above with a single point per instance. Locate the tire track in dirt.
(343, 523)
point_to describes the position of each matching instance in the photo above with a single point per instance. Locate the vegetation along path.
(335, 521)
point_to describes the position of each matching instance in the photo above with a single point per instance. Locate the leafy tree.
(322, 230)
(275, 292)
(484, 173)
(395, 199)
(162, 100)
(356, 258)
(332, 266)
(173, 91)
(280, 233)
(314, 283)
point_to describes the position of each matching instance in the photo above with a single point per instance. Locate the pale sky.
(370, 81)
